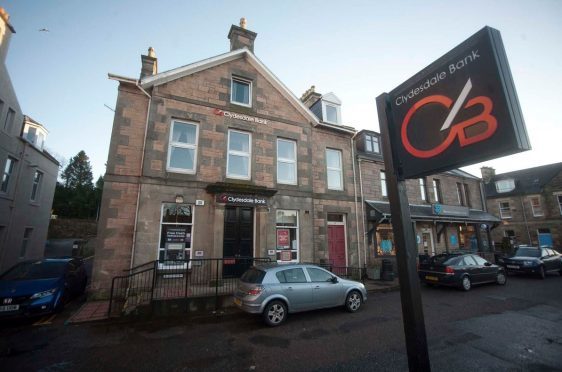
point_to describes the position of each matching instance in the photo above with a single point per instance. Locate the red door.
(336, 245)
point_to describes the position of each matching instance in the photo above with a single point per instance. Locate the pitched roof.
(167, 76)
(527, 181)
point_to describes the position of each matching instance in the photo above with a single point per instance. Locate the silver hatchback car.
(276, 290)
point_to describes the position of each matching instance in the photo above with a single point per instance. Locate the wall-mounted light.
(179, 199)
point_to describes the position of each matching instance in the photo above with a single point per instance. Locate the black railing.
(166, 279)
(354, 273)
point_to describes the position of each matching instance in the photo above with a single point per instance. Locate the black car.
(534, 260)
(460, 270)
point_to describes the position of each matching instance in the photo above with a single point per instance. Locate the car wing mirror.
(334, 279)
(487, 264)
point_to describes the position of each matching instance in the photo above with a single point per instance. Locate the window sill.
(179, 170)
(241, 104)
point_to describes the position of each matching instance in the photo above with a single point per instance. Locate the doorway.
(238, 241)
(336, 240)
(427, 242)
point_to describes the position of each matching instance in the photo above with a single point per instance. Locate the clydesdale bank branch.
(218, 159)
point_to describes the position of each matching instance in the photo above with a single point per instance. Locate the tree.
(77, 197)
(78, 173)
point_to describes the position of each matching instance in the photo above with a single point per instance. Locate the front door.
(238, 243)
(336, 245)
(427, 240)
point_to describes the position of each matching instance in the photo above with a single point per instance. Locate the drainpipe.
(140, 174)
(363, 213)
(355, 197)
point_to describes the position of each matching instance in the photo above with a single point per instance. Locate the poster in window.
(177, 235)
(286, 256)
(282, 238)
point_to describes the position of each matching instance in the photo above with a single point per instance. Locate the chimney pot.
(149, 64)
(487, 173)
(243, 23)
(240, 37)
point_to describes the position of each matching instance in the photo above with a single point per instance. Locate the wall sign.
(449, 210)
(461, 109)
(234, 115)
(241, 199)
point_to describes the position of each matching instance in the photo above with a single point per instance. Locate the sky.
(355, 49)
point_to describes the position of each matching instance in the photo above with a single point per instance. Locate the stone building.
(448, 209)
(29, 172)
(219, 159)
(529, 204)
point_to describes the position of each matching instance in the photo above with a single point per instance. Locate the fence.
(166, 279)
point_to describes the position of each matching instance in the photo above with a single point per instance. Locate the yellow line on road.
(45, 320)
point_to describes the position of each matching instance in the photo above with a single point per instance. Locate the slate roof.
(424, 212)
(527, 181)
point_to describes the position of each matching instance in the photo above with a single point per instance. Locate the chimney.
(149, 64)
(310, 97)
(6, 31)
(487, 173)
(240, 37)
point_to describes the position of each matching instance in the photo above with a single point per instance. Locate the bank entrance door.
(238, 243)
(336, 240)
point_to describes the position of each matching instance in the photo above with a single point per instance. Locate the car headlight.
(50, 292)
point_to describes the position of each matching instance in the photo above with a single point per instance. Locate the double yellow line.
(47, 319)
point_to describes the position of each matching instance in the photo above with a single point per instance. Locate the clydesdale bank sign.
(460, 110)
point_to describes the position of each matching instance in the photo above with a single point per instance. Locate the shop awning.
(380, 212)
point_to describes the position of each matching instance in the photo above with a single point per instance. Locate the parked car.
(40, 286)
(534, 260)
(277, 290)
(460, 270)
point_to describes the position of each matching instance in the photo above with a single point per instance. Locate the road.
(491, 328)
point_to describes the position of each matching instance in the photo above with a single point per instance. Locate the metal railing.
(177, 279)
(354, 273)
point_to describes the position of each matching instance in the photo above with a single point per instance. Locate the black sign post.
(406, 250)
(461, 109)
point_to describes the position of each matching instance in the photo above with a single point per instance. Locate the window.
(8, 170)
(25, 241)
(479, 260)
(182, 151)
(536, 206)
(372, 144)
(460, 193)
(241, 91)
(334, 169)
(286, 161)
(239, 153)
(505, 210)
(559, 198)
(287, 236)
(469, 261)
(384, 190)
(437, 191)
(36, 185)
(9, 120)
(423, 190)
(505, 185)
(176, 226)
(467, 196)
(291, 276)
(319, 275)
(331, 114)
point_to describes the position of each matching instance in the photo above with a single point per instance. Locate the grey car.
(276, 290)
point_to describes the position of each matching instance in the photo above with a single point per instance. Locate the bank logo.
(458, 130)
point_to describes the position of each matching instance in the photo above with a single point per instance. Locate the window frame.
(423, 189)
(325, 112)
(241, 80)
(384, 185)
(460, 194)
(36, 187)
(193, 146)
(340, 170)
(280, 225)
(9, 121)
(540, 211)
(370, 140)
(510, 182)
(437, 193)
(239, 153)
(161, 223)
(287, 161)
(467, 195)
(6, 176)
(501, 210)
(559, 200)
(25, 241)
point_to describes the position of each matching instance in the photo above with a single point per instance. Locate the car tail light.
(255, 291)
(449, 270)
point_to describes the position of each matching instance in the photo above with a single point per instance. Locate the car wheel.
(353, 301)
(275, 313)
(501, 279)
(542, 273)
(465, 283)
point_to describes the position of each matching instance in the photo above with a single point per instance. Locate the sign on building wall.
(241, 199)
(461, 109)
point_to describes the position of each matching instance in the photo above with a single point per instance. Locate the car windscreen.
(35, 270)
(528, 252)
(253, 276)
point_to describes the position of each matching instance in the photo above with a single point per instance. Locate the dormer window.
(505, 185)
(331, 113)
(372, 144)
(34, 133)
(241, 92)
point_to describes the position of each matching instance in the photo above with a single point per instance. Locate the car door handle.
(317, 287)
(290, 288)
